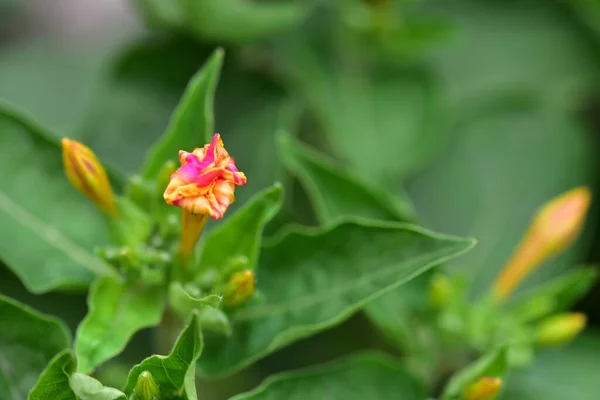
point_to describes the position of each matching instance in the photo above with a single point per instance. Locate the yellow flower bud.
(239, 289)
(146, 388)
(440, 290)
(87, 174)
(486, 388)
(560, 329)
(554, 228)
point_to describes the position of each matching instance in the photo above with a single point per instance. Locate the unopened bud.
(146, 388)
(560, 329)
(486, 388)
(553, 229)
(440, 290)
(239, 289)
(87, 174)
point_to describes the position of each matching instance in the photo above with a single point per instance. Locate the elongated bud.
(87, 174)
(553, 229)
(440, 290)
(192, 227)
(240, 289)
(486, 388)
(560, 329)
(146, 388)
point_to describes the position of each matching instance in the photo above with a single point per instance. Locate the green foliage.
(313, 279)
(117, 310)
(88, 388)
(174, 373)
(54, 380)
(367, 376)
(28, 340)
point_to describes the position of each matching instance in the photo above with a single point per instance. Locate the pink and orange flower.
(205, 183)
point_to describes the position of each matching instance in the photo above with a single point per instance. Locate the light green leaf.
(192, 122)
(335, 192)
(37, 205)
(241, 234)
(174, 373)
(241, 21)
(361, 377)
(493, 364)
(54, 380)
(310, 280)
(28, 340)
(184, 303)
(569, 372)
(555, 296)
(116, 312)
(87, 388)
(471, 190)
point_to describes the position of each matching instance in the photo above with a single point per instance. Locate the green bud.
(440, 291)
(146, 388)
(239, 289)
(215, 320)
(560, 329)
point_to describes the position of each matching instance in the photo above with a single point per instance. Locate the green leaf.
(336, 193)
(174, 373)
(184, 303)
(241, 234)
(365, 376)
(471, 190)
(557, 295)
(42, 243)
(133, 227)
(23, 352)
(569, 372)
(241, 21)
(54, 380)
(312, 279)
(87, 388)
(493, 364)
(192, 122)
(116, 312)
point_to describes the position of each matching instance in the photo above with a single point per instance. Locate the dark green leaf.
(367, 376)
(54, 381)
(174, 373)
(42, 243)
(472, 190)
(569, 372)
(116, 312)
(241, 234)
(28, 340)
(241, 21)
(336, 193)
(312, 279)
(493, 364)
(192, 123)
(87, 388)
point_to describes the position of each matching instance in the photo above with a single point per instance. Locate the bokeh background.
(477, 111)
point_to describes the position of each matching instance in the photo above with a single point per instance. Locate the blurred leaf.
(28, 340)
(175, 372)
(336, 193)
(492, 364)
(569, 372)
(473, 190)
(310, 280)
(133, 226)
(361, 377)
(588, 11)
(184, 303)
(87, 388)
(560, 293)
(54, 381)
(132, 106)
(239, 21)
(516, 45)
(192, 123)
(380, 120)
(41, 241)
(116, 311)
(241, 234)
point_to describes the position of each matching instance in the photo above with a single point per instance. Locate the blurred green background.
(475, 111)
